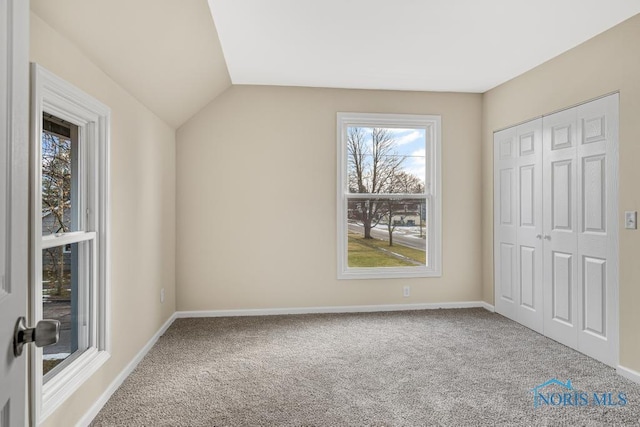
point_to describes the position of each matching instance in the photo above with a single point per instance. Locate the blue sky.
(410, 143)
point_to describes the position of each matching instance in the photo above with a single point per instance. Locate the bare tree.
(373, 164)
(56, 200)
(407, 183)
(402, 182)
(391, 225)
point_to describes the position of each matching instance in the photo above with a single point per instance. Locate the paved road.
(400, 239)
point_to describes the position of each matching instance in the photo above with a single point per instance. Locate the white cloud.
(416, 164)
(418, 158)
(413, 136)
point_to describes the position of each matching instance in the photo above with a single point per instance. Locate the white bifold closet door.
(573, 184)
(518, 214)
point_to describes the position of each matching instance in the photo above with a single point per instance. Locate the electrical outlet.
(406, 291)
(630, 220)
(162, 296)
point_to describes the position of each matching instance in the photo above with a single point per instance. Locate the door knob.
(45, 333)
(538, 236)
(547, 236)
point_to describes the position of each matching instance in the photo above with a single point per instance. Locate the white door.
(560, 228)
(581, 227)
(14, 78)
(597, 228)
(504, 200)
(518, 204)
(529, 227)
(556, 196)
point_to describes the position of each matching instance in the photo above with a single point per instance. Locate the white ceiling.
(166, 53)
(171, 56)
(431, 45)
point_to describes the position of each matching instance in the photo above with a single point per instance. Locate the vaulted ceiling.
(166, 53)
(174, 58)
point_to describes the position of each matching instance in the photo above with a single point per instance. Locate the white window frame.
(432, 126)
(55, 96)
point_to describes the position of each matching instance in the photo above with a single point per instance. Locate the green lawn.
(375, 253)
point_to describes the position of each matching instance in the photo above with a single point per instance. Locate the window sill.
(64, 384)
(388, 273)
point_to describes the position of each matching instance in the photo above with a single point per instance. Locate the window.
(388, 196)
(69, 246)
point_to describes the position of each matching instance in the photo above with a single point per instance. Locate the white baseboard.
(629, 374)
(488, 306)
(337, 309)
(117, 382)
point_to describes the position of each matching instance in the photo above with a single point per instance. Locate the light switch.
(631, 220)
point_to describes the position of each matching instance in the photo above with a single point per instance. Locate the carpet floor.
(465, 367)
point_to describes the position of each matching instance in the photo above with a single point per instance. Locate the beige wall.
(142, 213)
(256, 200)
(609, 62)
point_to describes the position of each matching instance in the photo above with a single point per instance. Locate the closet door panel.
(597, 131)
(518, 223)
(505, 220)
(529, 309)
(560, 219)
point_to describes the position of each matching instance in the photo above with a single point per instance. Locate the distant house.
(403, 212)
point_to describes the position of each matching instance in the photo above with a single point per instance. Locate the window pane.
(59, 180)
(386, 160)
(386, 232)
(64, 298)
